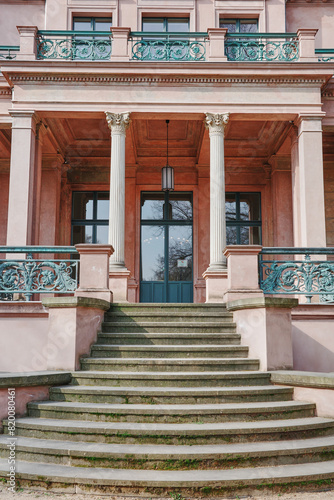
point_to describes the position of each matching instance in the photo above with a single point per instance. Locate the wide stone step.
(168, 338)
(170, 395)
(100, 480)
(172, 413)
(224, 456)
(168, 327)
(130, 309)
(169, 351)
(169, 316)
(173, 379)
(169, 364)
(188, 433)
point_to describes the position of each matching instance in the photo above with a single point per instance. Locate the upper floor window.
(239, 25)
(166, 24)
(92, 23)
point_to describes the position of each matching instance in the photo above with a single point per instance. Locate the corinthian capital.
(216, 123)
(118, 122)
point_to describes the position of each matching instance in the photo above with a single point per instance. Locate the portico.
(244, 151)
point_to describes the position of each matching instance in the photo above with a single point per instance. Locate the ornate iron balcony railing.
(149, 46)
(325, 55)
(294, 276)
(74, 45)
(8, 52)
(28, 275)
(269, 47)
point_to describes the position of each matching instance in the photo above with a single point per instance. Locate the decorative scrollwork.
(261, 50)
(164, 50)
(72, 47)
(307, 278)
(37, 276)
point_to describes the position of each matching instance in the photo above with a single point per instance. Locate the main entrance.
(166, 259)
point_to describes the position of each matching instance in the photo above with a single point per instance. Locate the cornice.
(6, 92)
(176, 80)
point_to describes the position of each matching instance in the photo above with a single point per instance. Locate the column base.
(216, 284)
(118, 283)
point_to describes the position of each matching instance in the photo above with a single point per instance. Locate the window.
(90, 217)
(92, 23)
(243, 218)
(91, 47)
(165, 24)
(239, 25)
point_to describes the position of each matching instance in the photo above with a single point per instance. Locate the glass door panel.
(180, 253)
(166, 247)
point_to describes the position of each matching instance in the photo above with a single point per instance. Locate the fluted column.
(216, 124)
(118, 123)
(216, 274)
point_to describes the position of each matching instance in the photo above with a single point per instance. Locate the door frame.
(166, 223)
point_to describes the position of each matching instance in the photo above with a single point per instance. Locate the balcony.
(8, 52)
(123, 45)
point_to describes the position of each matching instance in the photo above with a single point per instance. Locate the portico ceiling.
(88, 139)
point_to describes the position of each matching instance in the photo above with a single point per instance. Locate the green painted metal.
(74, 45)
(325, 55)
(29, 276)
(158, 46)
(267, 47)
(7, 51)
(297, 277)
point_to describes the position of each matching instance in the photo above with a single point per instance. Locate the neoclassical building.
(84, 98)
(167, 246)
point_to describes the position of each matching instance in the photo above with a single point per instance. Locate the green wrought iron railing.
(74, 45)
(151, 46)
(27, 275)
(325, 55)
(269, 47)
(8, 52)
(294, 276)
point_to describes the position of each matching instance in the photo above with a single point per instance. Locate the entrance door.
(166, 258)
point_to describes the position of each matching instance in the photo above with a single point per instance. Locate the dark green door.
(166, 258)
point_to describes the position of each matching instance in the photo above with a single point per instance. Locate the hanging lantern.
(167, 172)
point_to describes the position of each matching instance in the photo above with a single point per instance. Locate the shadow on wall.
(310, 354)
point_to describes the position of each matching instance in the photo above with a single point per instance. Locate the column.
(308, 178)
(216, 274)
(118, 123)
(22, 176)
(295, 179)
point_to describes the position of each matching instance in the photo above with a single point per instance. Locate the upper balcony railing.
(74, 45)
(8, 52)
(325, 55)
(120, 44)
(282, 47)
(168, 46)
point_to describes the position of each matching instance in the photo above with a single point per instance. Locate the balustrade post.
(94, 271)
(216, 274)
(27, 43)
(217, 44)
(120, 44)
(306, 39)
(243, 272)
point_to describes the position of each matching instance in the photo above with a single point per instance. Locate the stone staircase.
(170, 402)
